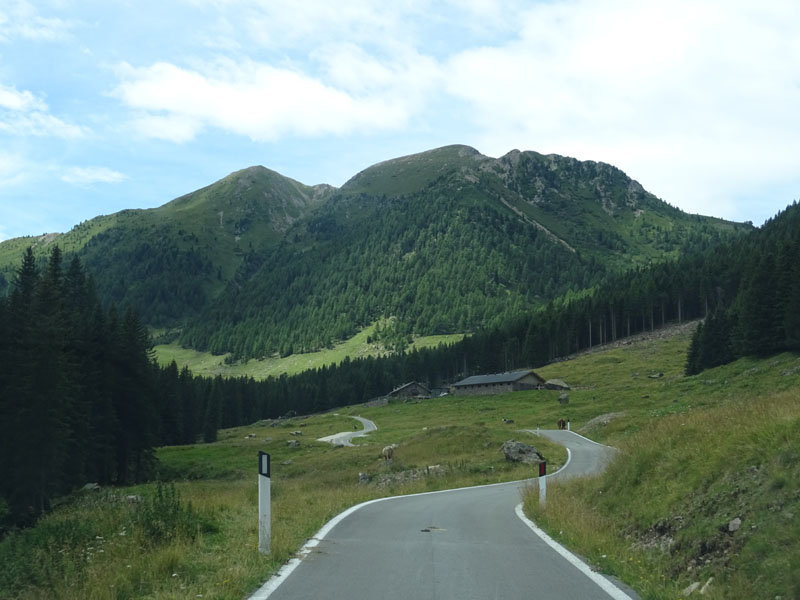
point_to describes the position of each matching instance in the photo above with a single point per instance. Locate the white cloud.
(289, 24)
(21, 19)
(251, 99)
(694, 99)
(174, 127)
(90, 175)
(23, 114)
(40, 125)
(11, 99)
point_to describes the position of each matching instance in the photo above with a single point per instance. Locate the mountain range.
(443, 241)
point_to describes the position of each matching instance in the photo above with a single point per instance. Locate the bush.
(164, 517)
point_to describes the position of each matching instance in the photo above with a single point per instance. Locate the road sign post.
(264, 524)
(542, 484)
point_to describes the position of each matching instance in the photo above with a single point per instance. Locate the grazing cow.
(388, 452)
(562, 424)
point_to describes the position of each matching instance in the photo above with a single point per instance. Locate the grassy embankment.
(688, 445)
(697, 453)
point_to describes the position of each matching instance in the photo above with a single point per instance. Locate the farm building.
(413, 389)
(499, 383)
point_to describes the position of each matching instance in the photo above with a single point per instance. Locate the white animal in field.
(388, 452)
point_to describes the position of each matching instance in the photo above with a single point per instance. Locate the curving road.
(456, 544)
(344, 438)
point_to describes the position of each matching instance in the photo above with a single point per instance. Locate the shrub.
(164, 517)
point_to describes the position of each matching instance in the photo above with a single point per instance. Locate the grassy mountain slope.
(705, 448)
(446, 241)
(169, 262)
(591, 206)
(361, 345)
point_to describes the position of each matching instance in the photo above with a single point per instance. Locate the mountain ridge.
(447, 240)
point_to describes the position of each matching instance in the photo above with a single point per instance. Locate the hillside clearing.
(358, 346)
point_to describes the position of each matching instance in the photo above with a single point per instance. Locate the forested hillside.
(167, 263)
(437, 263)
(641, 300)
(445, 241)
(81, 399)
(756, 311)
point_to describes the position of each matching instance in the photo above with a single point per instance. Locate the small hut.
(413, 389)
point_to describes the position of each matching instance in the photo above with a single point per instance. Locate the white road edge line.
(592, 441)
(535, 432)
(272, 584)
(608, 587)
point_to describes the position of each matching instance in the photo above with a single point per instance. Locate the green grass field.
(696, 452)
(210, 365)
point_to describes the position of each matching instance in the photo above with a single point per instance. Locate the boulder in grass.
(555, 384)
(518, 452)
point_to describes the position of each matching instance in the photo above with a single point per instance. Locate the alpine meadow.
(146, 355)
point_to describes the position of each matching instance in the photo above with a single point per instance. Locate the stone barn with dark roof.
(498, 383)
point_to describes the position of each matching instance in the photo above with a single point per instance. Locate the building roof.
(509, 377)
(409, 384)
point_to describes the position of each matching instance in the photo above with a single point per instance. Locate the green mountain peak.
(409, 174)
(444, 241)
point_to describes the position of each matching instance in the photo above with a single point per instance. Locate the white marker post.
(542, 484)
(264, 524)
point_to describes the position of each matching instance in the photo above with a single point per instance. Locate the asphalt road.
(457, 544)
(344, 438)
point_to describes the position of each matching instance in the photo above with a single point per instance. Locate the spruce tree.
(213, 412)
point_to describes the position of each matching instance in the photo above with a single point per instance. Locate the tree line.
(760, 315)
(81, 397)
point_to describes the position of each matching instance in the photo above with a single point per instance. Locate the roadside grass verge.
(725, 446)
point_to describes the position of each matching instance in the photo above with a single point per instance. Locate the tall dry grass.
(658, 517)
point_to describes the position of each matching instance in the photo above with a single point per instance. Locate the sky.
(110, 104)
